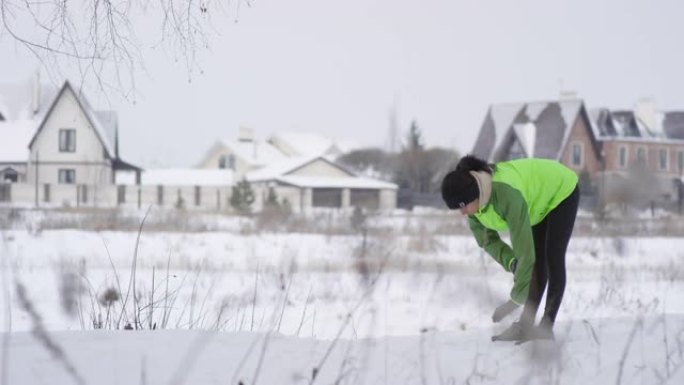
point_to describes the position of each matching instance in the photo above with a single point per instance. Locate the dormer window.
(227, 161)
(67, 140)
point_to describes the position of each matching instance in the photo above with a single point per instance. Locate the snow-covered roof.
(503, 116)
(543, 137)
(625, 125)
(287, 165)
(14, 139)
(310, 144)
(256, 153)
(527, 134)
(335, 182)
(98, 126)
(179, 177)
(21, 123)
(17, 101)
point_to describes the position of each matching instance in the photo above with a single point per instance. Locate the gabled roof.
(541, 128)
(310, 144)
(19, 120)
(255, 153)
(289, 166)
(624, 124)
(14, 139)
(90, 116)
(284, 173)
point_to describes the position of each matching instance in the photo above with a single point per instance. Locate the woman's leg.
(560, 224)
(539, 274)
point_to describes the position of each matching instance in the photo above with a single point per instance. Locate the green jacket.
(518, 195)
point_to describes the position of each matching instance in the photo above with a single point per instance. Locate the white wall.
(89, 160)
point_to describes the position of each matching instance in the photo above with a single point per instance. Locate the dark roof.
(626, 124)
(539, 127)
(119, 164)
(673, 125)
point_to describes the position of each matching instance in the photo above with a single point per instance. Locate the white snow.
(503, 116)
(15, 137)
(527, 134)
(570, 111)
(267, 308)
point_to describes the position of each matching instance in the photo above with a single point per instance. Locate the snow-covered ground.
(271, 308)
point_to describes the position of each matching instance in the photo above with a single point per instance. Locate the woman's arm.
(490, 241)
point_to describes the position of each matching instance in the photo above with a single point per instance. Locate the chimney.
(646, 113)
(568, 95)
(246, 134)
(35, 94)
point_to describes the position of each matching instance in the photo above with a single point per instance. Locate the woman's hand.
(503, 310)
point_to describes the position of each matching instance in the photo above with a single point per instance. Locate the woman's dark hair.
(459, 187)
(472, 163)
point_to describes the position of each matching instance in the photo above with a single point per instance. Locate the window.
(577, 154)
(622, 157)
(662, 159)
(67, 140)
(641, 156)
(67, 176)
(198, 195)
(227, 161)
(9, 175)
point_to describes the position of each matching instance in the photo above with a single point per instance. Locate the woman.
(536, 200)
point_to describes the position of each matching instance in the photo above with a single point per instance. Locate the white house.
(56, 147)
(299, 168)
(309, 182)
(245, 154)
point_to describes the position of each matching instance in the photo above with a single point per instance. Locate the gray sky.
(336, 68)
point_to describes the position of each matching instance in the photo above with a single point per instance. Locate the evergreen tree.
(242, 197)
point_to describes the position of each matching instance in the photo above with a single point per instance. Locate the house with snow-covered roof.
(305, 175)
(606, 144)
(559, 130)
(56, 147)
(316, 181)
(241, 155)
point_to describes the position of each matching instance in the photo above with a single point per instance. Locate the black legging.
(551, 237)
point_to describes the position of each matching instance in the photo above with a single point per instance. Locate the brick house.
(606, 148)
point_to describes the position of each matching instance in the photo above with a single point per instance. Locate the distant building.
(608, 146)
(300, 169)
(55, 148)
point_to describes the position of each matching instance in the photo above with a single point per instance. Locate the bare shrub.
(71, 287)
(619, 246)
(425, 242)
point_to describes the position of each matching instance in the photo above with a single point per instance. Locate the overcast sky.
(337, 67)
